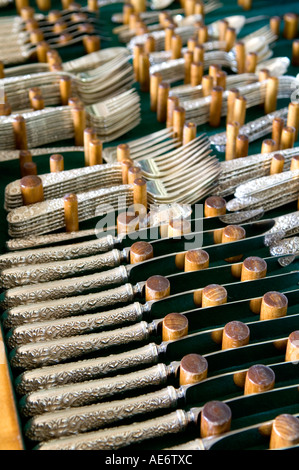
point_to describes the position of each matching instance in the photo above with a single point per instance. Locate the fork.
(195, 176)
(90, 87)
(277, 67)
(253, 130)
(149, 17)
(138, 147)
(198, 110)
(110, 119)
(241, 170)
(18, 45)
(172, 70)
(268, 192)
(125, 34)
(93, 177)
(76, 66)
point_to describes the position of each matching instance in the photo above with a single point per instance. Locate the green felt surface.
(9, 171)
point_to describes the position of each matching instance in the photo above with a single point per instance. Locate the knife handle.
(122, 436)
(58, 253)
(20, 276)
(67, 307)
(86, 418)
(87, 370)
(43, 353)
(74, 325)
(89, 392)
(61, 288)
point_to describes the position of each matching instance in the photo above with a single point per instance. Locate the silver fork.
(198, 110)
(194, 178)
(109, 78)
(81, 64)
(110, 119)
(84, 179)
(172, 70)
(162, 140)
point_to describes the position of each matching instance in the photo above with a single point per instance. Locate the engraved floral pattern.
(116, 438)
(39, 273)
(31, 355)
(87, 418)
(79, 371)
(67, 307)
(74, 325)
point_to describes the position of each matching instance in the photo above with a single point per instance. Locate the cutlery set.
(176, 315)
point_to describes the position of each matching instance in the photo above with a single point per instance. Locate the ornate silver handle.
(43, 353)
(93, 391)
(58, 270)
(67, 307)
(86, 418)
(123, 436)
(59, 289)
(79, 371)
(58, 253)
(287, 246)
(75, 325)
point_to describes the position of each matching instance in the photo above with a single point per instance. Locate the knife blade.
(11, 277)
(37, 354)
(85, 393)
(87, 418)
(178, 421)
(59, 308)
(58, 239)
(82, 324)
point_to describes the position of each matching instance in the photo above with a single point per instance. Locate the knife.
(222, 384)
(16, 276)
(173, 423)
(254, 437)
(66, 307)
(105, 243)
(77, 285)
(166, 265)
(37, 354)
(88, 392)
(79, 419)
(127, 315)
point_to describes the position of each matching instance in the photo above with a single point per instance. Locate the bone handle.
(87, 418)
(34, 274)
(32, 355)
(67, 307)
(123, 436)
(57, 253)
(74, 325)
